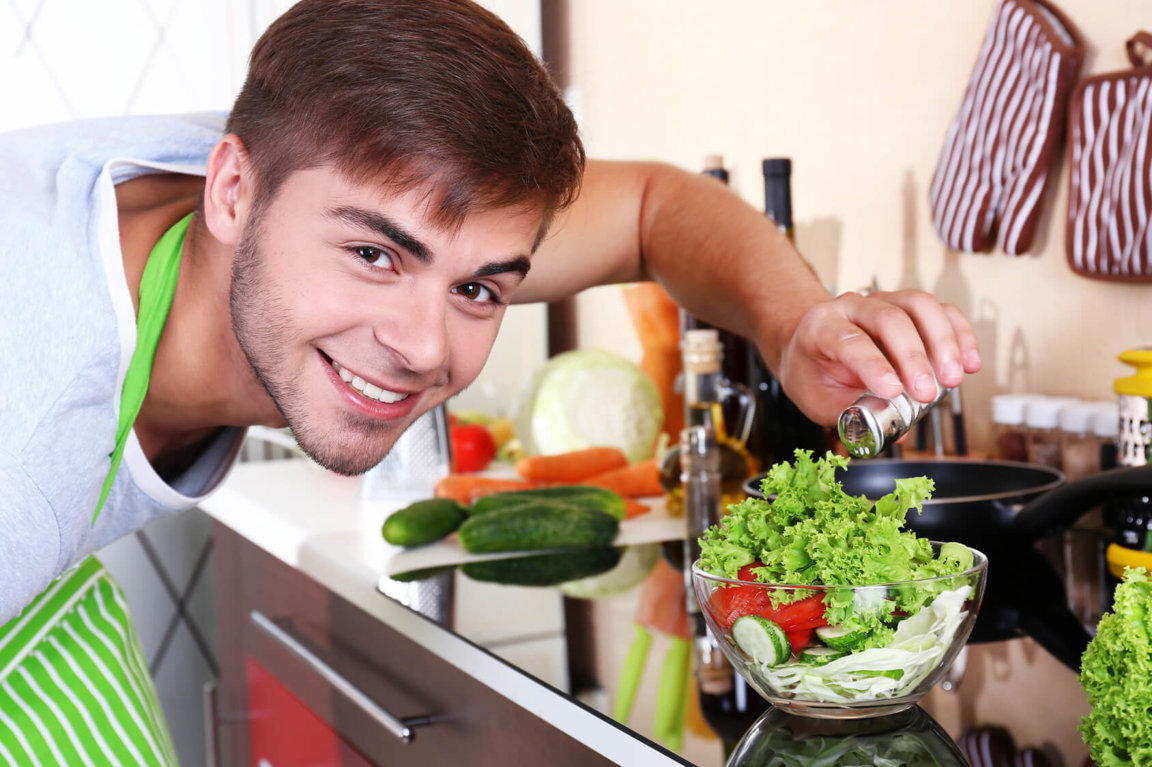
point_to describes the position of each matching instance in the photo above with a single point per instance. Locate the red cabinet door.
(283, 732)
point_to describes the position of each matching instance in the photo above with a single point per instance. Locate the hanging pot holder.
(1110, 158)
(990, 178)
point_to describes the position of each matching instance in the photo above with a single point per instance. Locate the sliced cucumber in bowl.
(841, 638)
(818, 656)
(761, 639)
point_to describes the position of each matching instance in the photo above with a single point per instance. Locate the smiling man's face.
(358, 314)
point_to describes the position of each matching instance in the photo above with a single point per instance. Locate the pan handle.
(1059, 508)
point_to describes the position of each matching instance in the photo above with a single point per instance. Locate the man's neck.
(200, 379)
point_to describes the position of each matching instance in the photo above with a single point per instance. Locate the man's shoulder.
(178, 139)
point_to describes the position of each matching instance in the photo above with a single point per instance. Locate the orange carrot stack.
(572, 467)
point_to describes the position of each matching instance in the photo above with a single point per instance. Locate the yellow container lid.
(1121, 557)
(1139, 385)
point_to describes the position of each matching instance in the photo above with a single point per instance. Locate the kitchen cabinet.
(285, 639)
(315, 657)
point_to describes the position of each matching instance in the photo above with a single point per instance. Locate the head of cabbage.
(589, 398)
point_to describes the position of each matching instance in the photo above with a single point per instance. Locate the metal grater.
(421, 457)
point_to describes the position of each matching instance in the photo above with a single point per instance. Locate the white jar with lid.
(1042, 421)
(1079, 445)
(1008, 423)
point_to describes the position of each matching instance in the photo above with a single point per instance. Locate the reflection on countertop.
(909, 737)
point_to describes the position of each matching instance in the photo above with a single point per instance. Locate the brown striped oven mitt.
(1110, 161)
(990, 178)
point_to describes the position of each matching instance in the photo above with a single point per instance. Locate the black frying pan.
(1002, 508)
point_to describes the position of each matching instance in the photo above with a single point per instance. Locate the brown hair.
(399, 92)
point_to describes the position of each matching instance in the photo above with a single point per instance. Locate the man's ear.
(228, 189)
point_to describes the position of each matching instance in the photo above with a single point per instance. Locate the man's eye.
(370, 254)
(474, 291)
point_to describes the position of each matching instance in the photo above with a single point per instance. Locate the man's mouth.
(369, 390)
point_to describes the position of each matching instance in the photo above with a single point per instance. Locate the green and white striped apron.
(74, 685)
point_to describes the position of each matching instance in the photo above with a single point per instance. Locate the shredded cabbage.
(878, 673)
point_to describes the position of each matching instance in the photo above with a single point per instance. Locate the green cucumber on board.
(581, 496)
(537, 526)
(544, 569)
(761, 639)
(423, 522)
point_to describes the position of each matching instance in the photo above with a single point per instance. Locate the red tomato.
(799, 639)
(472, 447)
(805, 614)
(730, 602)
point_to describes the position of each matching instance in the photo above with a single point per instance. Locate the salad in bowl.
(825, 603)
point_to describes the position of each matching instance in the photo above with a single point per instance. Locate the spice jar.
(1079, 446)
(1042, 421)
(1008, 422)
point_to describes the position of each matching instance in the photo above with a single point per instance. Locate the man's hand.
(884, 343)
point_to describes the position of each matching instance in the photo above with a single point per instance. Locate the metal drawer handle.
(401, 728)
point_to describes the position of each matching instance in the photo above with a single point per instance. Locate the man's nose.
(416, 331)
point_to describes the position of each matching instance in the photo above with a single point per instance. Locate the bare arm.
(725, 262)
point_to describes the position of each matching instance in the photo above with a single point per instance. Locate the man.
(336, 258)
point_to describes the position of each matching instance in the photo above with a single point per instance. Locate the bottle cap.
(1077, 418)
(1044, 413)
(777, 166)
(1008, 409)
(868, 424)
(1106, 421)
(1139, 385)
(702, 351)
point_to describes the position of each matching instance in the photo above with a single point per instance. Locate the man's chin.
(348, 460)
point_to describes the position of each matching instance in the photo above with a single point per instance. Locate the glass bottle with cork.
(706, 391)
(726, 702)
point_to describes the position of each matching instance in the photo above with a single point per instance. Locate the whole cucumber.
(424, 522)
(583, 496)
(544, 569)
(538, 525)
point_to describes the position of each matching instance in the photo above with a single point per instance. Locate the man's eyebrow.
(519, 264)
(381, 224)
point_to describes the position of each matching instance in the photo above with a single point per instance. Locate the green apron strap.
(157, 289)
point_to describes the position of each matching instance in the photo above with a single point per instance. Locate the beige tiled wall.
(859, 95)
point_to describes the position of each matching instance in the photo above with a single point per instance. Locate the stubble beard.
(264, 331)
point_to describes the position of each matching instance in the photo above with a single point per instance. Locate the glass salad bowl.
(842, 652)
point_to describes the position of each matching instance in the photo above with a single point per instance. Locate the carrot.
(656, 318)
(635, 480)
(571, 467)
(633, 508)
(465, 488)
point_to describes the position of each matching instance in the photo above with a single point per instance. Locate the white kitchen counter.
(316, 522)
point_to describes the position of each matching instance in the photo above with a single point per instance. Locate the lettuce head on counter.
(1116, 672)
(814, 533)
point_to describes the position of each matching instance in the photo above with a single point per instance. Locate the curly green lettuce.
(1116, 672)
(814, 533)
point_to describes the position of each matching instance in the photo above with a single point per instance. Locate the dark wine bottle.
(780, 427)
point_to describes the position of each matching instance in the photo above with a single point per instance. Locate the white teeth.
(369, 390)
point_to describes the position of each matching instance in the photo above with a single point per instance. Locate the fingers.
(893, 342)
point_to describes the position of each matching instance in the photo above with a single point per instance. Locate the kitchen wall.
(859, 95)
(69, 59)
